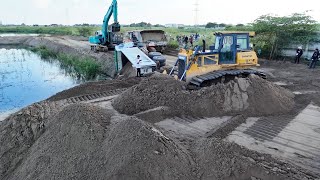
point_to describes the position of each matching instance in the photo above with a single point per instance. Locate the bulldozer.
(229, 57)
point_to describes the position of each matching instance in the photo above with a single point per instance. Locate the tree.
(240, 25)
(141, 24)
(222, 25)
(211, 25)
(274, 33)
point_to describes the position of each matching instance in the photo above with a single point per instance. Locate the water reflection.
(25, 78)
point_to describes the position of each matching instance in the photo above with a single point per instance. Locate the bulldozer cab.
(228, 44)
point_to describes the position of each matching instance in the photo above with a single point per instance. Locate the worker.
(138, 66)
(186, 40)
(314, 59)
(298, 55)
(191, 40)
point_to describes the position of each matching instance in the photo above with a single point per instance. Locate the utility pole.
(67, 17)
(196, 10)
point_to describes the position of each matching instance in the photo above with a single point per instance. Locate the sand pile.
(252, 96)
(82, 142)
(20, 130)
(95, 87)
(217, 159)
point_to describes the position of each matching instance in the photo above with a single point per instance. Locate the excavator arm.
(105, 37)
(115, 27)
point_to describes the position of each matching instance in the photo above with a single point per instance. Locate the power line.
(196, 10)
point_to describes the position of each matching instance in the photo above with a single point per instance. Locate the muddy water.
(25, 78)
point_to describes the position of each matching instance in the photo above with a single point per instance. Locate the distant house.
(174, 25)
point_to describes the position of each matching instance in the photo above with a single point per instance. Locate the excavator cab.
(115, 27)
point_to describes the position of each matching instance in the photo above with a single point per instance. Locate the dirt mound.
(20, 130)
(253, 96)
(95, 87)
(139, 151)
(217, 159)
(82, 142)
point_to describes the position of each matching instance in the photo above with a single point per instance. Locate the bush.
(173, 44)
(85, 66)
(85, 31)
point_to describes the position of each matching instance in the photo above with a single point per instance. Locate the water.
(17, 34)
(25, 78)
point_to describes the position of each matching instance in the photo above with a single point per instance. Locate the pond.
(25, 78)
(18, 34)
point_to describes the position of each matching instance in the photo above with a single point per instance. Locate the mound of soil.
(81, 142)
(137, 150)
(252, 96)
(95, 87)
(217, 159)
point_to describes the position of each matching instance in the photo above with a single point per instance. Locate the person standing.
(186, 40)
(191, 40)
(298, 55)
(138, 66)
(314, 59)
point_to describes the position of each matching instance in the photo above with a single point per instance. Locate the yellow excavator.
(231, 56)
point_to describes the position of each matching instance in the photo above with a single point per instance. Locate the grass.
(60, 30)
(85, 66)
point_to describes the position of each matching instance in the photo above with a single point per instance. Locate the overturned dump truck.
(153, 40)
(126, 60)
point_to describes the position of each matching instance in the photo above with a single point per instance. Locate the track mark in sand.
(89, 97)
(190, 128)
(267, 129)
(296, 140)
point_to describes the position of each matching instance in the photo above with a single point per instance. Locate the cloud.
(41, 4)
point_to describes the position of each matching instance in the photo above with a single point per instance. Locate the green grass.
(60, 30)
(85, 66)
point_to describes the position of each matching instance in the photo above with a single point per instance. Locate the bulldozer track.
(217, 76)
(89, 97)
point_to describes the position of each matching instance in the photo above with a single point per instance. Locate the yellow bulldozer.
(231, 56)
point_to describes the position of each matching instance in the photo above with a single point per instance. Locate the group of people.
(314, 58)
(185, 39)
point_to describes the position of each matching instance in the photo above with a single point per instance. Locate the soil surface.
(253, 97)
(95, 87)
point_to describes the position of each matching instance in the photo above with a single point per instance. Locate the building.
(174, 25)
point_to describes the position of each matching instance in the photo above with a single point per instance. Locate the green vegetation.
(85, 31)
(59, 30)
(275, 33)
(85, 66)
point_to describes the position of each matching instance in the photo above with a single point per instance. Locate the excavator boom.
(105, 38)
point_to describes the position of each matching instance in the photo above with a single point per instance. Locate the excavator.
(229, 57)
(107, 38)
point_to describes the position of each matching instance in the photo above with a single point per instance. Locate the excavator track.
(89, 97)
(223, 76)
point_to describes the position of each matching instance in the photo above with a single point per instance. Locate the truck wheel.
(153, 54)
(161, 59)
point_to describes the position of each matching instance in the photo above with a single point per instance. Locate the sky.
(156, 12)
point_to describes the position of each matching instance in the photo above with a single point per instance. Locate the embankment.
(67, 45)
